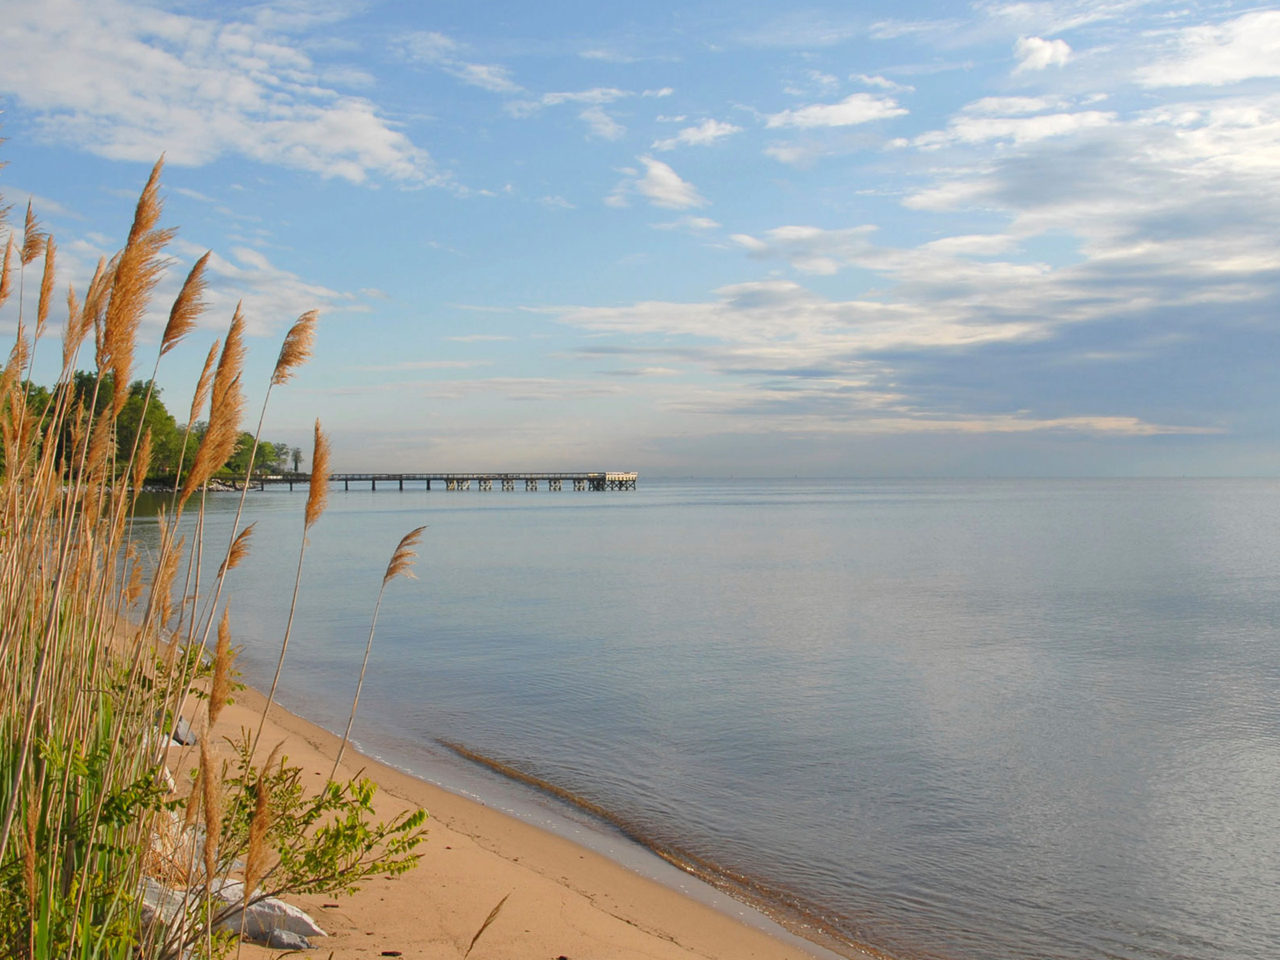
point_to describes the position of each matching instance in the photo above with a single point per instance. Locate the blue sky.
(757, 239)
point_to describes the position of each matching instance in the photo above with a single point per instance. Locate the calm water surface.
(952, 719)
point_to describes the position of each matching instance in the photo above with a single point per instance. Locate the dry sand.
(565, 901)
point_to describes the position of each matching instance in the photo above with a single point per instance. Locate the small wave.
(788, 909)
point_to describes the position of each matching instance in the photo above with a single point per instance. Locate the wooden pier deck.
(606, 480)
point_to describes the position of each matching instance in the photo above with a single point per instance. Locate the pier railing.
(604, 480)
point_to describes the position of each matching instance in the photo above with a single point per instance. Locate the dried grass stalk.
(318, 494)
(186, 308)
(493, 915)
(296, 348)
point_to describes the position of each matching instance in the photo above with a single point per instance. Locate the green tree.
(166, 439)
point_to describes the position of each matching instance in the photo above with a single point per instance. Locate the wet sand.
(565, 901)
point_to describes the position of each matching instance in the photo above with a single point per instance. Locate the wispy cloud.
(441, 51)
(130, 83)
(707, 132)
(601, 124)
(425, 365)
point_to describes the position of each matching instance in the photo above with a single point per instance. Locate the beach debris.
(183, 734)
(160, 904)
(266, 921)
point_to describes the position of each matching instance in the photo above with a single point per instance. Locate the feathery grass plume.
(100, 445)
(13, 369)
(6, 275)
(32, 236)
(239, 548)
(186, 308)
(73, 332)
(192, 808)
(318, 492)
(211, 797)
(142, 462)
(223, 657)
(296, 348)
(95, 305)
(46, 286)
(137, 272)
(255, 860)
(225, 410)
(401, 565)
(203, 384)
(134, 588)
(160, 604)
(229, 364)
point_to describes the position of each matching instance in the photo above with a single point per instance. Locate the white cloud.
(1018, 130)
(661, 185)
(709, 131)
(272, 296)
(130, 83)
(1240, 49)
(853, 109)
(602, 125)
(660, 92)
(441, 51)
(664, 188)
(1035, 53)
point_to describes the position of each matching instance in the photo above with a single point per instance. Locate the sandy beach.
(566, 901)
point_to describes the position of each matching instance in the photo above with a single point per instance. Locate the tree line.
(168, 437)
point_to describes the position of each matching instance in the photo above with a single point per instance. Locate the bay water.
(953, 719)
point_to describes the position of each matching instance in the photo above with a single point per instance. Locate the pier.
(508, 482)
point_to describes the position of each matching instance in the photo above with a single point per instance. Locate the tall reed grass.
(98, 660)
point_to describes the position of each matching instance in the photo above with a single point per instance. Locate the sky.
(711, 239)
